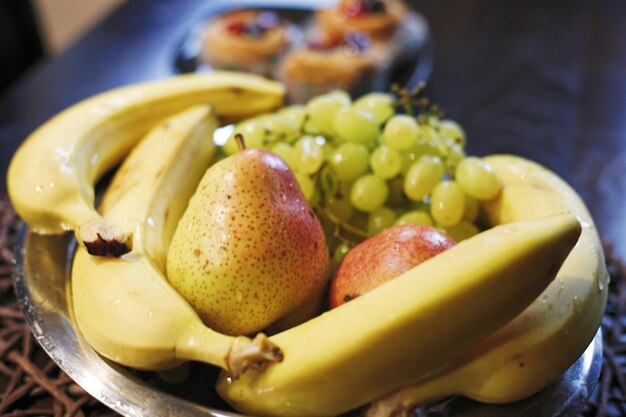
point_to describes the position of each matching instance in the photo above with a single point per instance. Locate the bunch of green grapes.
(363, 167)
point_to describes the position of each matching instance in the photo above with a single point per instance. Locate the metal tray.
(41, 273)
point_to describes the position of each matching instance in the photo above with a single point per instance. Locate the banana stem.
(403, 402)
(233, 354)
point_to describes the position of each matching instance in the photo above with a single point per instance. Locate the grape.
(356, 125)
(430, 141)
(415, 217)
(339, 207)
(455, 154)
(477, 178)
(286, 151)
(447, 203)
(280, 129)
(368, 193)
(295, 113)
(471, 209)
(401, 132)
(407, 158)
(422, 177)
(340, 251)
(386, 162)
(309, 154)
(349, 161)
(380, 219)
(379, 104)
(253, 132)
(306, 185)
(461, 231)
(449, 129)
(321, 111)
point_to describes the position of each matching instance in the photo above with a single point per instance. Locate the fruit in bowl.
(362, 168)
(384, 256)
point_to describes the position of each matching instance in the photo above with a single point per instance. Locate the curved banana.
(409, 327)
(124, 306)
(540, 344)
(52, 175)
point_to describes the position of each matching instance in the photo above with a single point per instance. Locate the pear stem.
(240, 142)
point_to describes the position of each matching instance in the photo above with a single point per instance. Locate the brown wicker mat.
(32, 385)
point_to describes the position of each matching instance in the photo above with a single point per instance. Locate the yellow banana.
(124, 306)
(540, 344)
(52, 175)
(409, 327)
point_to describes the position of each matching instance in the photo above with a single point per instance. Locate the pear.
(249, 251)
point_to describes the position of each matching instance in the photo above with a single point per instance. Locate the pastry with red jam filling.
(246, 40)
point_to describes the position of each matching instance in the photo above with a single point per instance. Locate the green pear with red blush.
(248, 251)
(383, 257)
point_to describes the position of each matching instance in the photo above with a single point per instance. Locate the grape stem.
(341, 225)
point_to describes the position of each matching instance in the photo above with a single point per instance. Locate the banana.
(124, 306)
(52, 175)
(540, 344)
(409, 327)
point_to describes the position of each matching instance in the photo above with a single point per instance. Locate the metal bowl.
(41, 274)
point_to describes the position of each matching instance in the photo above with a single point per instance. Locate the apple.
(383, 257)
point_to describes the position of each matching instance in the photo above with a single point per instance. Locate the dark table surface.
(542, 79)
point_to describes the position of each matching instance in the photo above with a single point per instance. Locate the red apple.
(383, 257)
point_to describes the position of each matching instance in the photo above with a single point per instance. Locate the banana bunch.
(124, 306)
(52, 175)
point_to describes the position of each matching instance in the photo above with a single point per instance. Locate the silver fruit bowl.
(42, 270)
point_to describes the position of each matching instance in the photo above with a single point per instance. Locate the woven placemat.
(32, 385)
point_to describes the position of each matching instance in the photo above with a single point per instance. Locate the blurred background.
(31, 29)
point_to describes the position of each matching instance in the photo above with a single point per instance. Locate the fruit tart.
(378, 18)
(246, 40)
(348, 62)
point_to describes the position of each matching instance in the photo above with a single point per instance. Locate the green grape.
(418, 217)
(461, 231)
(339, 207)
(385, 162)
(309, 154)
(253, 132)
(287, 152)
(280, 129)
(430, 141)
(380, 219)
(295, 113)
(477, 178)
(356, 125)
(349, 161)
(449, 129)
(447, 203)
(340, 252)
(401, 132)
(455, 154)
(379, 104)
(368, 193)
(422, 177)
(306, 185)
(321, 111)
(471, 209)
